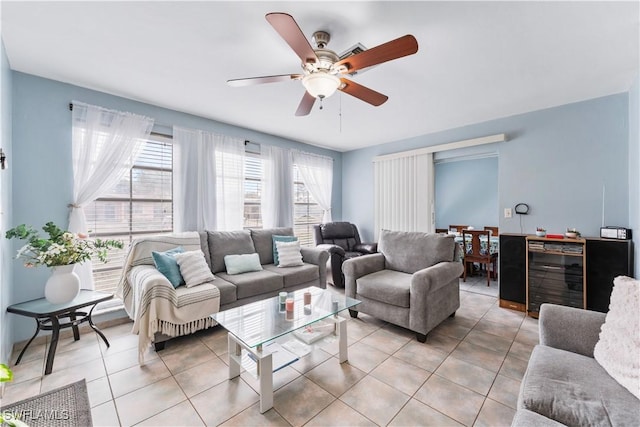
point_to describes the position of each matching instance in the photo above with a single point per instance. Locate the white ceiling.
(476, 61)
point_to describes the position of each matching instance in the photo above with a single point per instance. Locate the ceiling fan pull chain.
(340, 113)
(321, 98)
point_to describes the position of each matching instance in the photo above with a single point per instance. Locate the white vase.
(63, 285)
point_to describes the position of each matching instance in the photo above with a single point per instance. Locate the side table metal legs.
(95, 328)
(29, 343)
(49, 317)
(52, 323)
(55, 329)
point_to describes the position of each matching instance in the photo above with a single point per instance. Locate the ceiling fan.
(322, 69)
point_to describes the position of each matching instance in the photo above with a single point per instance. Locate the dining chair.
(457, 228)
(494, 230)
(474, 251)
(442, 231)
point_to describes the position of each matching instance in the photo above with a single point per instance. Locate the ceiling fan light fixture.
(321, 84)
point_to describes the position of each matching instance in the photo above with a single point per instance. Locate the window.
(252, 191)
(306, 212)
(139, 205)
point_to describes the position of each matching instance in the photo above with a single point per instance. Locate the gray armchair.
(413, 280)
(342, 241)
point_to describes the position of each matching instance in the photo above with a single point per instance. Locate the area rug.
(66, 406)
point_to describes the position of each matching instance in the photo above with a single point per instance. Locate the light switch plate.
(508, 213)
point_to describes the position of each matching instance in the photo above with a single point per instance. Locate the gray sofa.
(564, 384)
(413, 280)
(232, 290)
(240, 289)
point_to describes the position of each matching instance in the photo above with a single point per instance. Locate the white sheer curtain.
(194, 177)
(276, 204)
(404, 188)
(317, 174)
(229, 182)
(208, 181)
(105, 144)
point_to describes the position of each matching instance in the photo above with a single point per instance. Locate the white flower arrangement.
(61, 248)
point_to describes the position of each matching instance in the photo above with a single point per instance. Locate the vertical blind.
(404, 191)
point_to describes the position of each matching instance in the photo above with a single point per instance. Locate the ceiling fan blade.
(403, 46)
(289, 30)
(249, 81)
(306, 104)
(362, 92)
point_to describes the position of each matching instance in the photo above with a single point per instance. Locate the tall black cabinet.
(513, 271)
(605, 259)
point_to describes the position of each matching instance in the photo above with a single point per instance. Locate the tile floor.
(467, 373)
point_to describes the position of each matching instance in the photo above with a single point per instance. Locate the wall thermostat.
(522, 208)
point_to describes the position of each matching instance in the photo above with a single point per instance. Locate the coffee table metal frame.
(264, 360)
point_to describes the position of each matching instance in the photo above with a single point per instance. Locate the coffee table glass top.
(262, 321)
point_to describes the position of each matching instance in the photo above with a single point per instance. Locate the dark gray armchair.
(342, 241)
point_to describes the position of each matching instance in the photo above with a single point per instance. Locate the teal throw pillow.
(166, 264)
(277, 238)
(244, 263)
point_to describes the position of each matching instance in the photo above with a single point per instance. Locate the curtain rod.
(166, 135)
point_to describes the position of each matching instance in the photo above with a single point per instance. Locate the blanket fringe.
(174, 330)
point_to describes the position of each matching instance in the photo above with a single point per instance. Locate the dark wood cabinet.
(604, 259)
(555, 273)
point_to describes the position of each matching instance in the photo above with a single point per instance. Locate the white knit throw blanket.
(618, 350)
(153, 304)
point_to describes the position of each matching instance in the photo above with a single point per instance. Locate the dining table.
(494, 242)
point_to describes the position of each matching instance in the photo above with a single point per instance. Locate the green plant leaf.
(5, 373)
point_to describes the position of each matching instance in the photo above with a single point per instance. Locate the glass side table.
(48, 318)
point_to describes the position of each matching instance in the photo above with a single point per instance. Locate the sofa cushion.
(227, 291)
(263, 241)
(223, 243)
(388, 286)
(413, 251)
(166, 264)
(276, 239)
(204, 245)
(238, 264)
(573, 389)
(618, 350)
(337, 230)
(254, 283)
(294, 276)
(289, 254)
(349, 255)
(194, 268)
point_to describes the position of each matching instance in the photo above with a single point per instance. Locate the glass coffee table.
(252, 329)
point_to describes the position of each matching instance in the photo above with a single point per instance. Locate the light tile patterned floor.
(467, 373)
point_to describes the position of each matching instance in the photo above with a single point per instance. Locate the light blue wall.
(6, 251)
(634, 169)
(42, 175)
(556, 160)
(467, 192)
